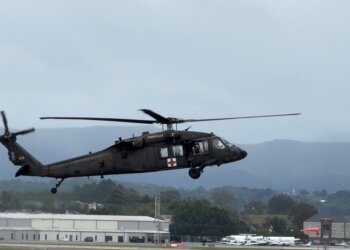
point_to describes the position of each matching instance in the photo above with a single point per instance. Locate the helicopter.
(168, 149)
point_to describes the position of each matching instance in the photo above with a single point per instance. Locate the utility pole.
(157, 217)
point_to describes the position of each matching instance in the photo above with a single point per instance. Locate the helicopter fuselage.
(149, 152)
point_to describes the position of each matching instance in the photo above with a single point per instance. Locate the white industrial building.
(78, 227)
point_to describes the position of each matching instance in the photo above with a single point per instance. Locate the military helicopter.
(166, 150)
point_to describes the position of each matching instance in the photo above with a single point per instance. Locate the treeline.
(207, 214)
(214, 212)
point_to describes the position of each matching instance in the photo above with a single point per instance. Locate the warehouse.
(339, 227)
(78, 227)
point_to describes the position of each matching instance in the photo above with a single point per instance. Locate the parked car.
(89, 239)
(64, 239)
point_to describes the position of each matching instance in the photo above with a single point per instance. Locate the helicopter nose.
(238, 153)
(243, 154)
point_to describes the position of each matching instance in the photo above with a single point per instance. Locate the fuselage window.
(217, 144)
(164, 152)
(178, 151)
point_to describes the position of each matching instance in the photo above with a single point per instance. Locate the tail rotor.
(7, 134)
(17, 154)
(4, 120)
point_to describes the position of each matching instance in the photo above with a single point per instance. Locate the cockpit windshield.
(217, 144)
(229, 144)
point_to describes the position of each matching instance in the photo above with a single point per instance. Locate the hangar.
(79, 227)
(339, 228)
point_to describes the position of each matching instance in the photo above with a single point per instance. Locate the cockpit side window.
(205, 146)
(217, 144)
(200, 148)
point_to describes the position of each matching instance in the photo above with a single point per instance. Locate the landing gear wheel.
(195, 173)
(54, 190)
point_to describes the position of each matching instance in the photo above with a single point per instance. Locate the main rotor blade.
(99, 119)
(232, 118)
(158, 117)
(23, 132)
(4, 119)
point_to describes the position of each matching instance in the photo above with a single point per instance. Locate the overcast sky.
(188, 59)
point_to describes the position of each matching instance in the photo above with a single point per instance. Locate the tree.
(95, 191)
(9, 201)
(304, 192)
(300, 213)
(121, 195)
(277, 226)
(223, 199)
(170, 196)
(255, 207)
(280, 204)
(199, 217)
(169, 200)
(322, 193)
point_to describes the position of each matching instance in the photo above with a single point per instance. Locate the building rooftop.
(335, 218)
(75, 217)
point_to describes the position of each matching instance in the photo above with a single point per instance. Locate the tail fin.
(17, 154)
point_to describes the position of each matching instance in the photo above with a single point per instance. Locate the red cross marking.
(171, 162)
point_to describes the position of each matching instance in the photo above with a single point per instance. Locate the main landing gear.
(195, 172)
(54, 190)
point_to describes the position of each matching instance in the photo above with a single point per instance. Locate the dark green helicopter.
(166, 150)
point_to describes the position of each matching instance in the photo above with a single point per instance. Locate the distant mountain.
(342, 136)
(292, 164)
(281, 165)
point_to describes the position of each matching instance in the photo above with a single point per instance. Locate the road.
(187, 246)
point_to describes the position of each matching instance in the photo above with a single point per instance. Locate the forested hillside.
(32, 195)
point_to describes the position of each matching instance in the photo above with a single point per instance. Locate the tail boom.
(30, 166)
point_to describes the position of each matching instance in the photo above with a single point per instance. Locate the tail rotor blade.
(23, 132)
(8, 135)
(4, 120)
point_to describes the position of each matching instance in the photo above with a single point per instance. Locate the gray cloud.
(181, 58)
